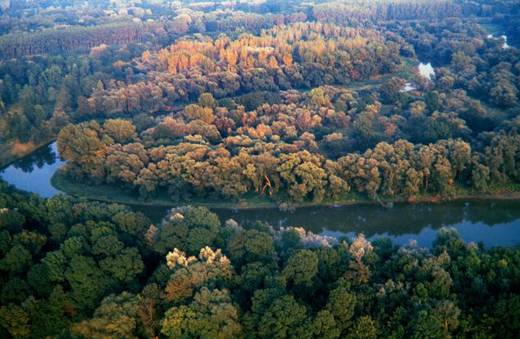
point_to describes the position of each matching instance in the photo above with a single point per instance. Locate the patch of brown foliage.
(19, 148)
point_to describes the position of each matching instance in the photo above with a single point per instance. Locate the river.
(492, 222)
(34, 172)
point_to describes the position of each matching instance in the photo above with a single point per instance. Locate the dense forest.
(91, 270)
(307, 111)
(286, 103)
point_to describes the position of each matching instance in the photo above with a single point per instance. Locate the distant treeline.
(361, 11)
(61, 40)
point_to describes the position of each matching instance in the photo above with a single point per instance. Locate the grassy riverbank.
(114, 194)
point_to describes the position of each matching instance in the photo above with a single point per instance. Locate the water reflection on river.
(494, 222)
(34, 172)
(426, 70)
(505, 45)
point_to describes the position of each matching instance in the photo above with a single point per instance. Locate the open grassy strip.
(115, 194)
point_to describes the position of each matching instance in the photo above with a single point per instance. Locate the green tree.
(364, 328)
(15, 320)
(189, 229)
(251, 245)
(210, 315)
(341, 304)
(87, 281)
(301, 268)
(115, 317)
(285, 318)
(325, 326)
(16, 260)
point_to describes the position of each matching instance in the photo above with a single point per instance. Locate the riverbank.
(13, 151)
(113, 194)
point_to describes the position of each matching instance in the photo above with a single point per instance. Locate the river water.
(426, 70)
(505, 45)
(34, 172)
(492, 222)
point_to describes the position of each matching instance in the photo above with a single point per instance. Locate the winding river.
(492, 222)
